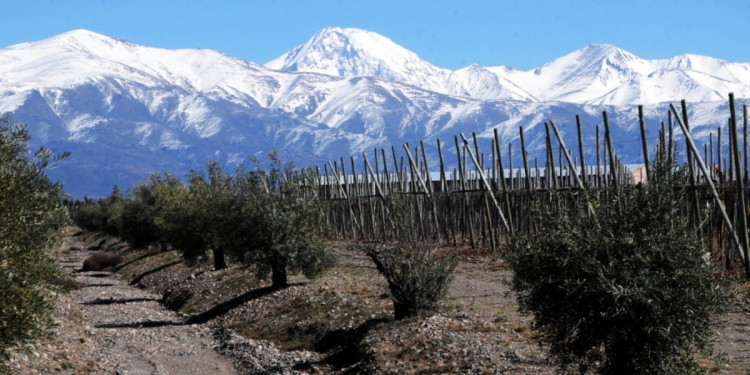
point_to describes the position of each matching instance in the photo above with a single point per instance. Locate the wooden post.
(510, 164)
(719, 153)
(346, 178)
(663, 142)
(353, 218)
(584, 173)
(744, 138)
(550, 160)
(671, 149)
(691, 164)
(503, 184)
(742, 209)
(385, 170)
(442, 167)
(572, 166)
(397, 170)
(426, 167)
(525, 155)
(710, 160)
(644, 141)
(377, 166)
(610, 148)
(702, 166)
(598, 159)
(486, 185)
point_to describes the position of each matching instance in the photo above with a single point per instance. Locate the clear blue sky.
(450, 34)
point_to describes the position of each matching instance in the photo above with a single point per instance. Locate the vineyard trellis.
(479, 203)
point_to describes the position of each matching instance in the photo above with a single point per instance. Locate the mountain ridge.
(606, 64)
(126, 111)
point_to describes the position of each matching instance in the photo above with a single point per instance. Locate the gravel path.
(121, 330)
(338, 323)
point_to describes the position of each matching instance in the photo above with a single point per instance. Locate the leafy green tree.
(135, 216)
(214, 196)
(178, 217)
(280, 229)
(100, 215)
(31, 213)
(625, 290)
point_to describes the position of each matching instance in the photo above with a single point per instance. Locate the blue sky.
(449, 34)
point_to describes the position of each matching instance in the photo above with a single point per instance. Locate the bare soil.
(229, 321)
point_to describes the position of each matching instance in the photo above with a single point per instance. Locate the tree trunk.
(402, 311)
(219, 262)
(278, 274)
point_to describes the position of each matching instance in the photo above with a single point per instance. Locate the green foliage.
(269, 219)
(418, 279)
(99, 215)
(178, 217)
(30, 216)
(134, 217)
(279, 230)
(625, 290)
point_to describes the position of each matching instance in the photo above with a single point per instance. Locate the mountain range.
(125, 111)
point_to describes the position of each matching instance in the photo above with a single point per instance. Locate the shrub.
(625, 290)
(418, 279)
(30, 216)
(100, 261)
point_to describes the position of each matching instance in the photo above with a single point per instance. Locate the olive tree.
(178, 217)
(623, 290)
(280, 228)
(418, 276)
(31, 213)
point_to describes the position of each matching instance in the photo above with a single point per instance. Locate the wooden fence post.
(742, 209)
(487, 185)
(717, 198)
(611, 150)
(644, 141)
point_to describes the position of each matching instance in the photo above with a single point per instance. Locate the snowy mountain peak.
(593, 58)
(349, 52)
(85, 40)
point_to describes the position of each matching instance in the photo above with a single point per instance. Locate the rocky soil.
(155, 315)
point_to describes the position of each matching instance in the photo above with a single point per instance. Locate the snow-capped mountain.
(597, 74)
(126, 111)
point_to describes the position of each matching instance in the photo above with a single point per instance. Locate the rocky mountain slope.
(126, 111)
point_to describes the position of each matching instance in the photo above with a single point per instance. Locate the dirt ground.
(228, 321)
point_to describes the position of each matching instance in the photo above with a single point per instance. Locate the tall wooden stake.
(644, 141)
(702, 166)
(742, 209)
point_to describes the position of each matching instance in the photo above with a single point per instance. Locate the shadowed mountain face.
(126, 111)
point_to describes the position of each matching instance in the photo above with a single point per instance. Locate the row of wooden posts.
(479, 203)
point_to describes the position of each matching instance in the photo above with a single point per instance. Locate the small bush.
(418, 279)
(100, 261)
(625, 290)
